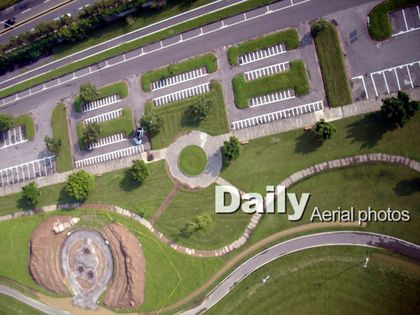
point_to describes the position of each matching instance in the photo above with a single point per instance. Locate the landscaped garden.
(60, 131)
(209, 61)
(287, 37)
(192, 160)
(177, 121)
(331, 61)
(295, 78)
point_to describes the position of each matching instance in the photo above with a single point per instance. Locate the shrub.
(318, 27)
(231, 149)
(398, 110)
(91, 134)
(6, 122)
(152, 123)
(88, 92)
(200, 222)
(198, 111)
(80, 185)
(53, 145)
(139, 171)
(324, 129)
(31, 194)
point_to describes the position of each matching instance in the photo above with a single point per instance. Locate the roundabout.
(192, 160)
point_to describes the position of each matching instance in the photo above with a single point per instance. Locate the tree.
(398, 110)
(152, 123)
(92, 133)
(80, 185)
(324, 129)
(203, 221)
(231, 149)
(6, 122)
(88, 92)
(53, 144)
(139, 171)
(318, 27)
(199, 110)
(31, 194)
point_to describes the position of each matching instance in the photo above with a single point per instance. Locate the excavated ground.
(127, 289)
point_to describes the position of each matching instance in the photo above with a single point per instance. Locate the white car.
(138, 138)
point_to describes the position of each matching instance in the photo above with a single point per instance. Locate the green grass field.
(333, 66)
(380, 27)
(377, 185)
(289, 38)
(186, 206)
(176, 123)
(295, 78)
(192, 160)
(279, 156)
(170, 275)
(123, 48)
(209, 61)
(61, 131)
(328, 280)
(27, 121)
(7, 3)
(122, 124)
(111, 188)
(120, 88)
(10, 306)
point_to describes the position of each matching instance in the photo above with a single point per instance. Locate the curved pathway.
(211, 145)
(392, 244)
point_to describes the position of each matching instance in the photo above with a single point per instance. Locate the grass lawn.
(170, 275)
(380, 27)
(126, 47)
(377, 185)
(186, 206)
(7, 3)
(111, 188)
(328, 280)
(176, 123)
(120, 88)
(123, 123)
(278, 156)
(333, 66)
(289, 38)
(295, 78)
(10, 306)
(209, 61)
(61, 131)
(192, 160)
(27, 121)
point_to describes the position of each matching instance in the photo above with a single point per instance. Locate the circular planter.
(192, 160)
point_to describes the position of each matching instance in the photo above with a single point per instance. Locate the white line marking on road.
(418, 12)
(223, 24)
(405, 20)
(398, 81)
(24, 11)
(386, 82)
(409, 76)
(245, 16)
(269, 11)
(161, 44)
(360, 77)
(180, 38)
(374, 85)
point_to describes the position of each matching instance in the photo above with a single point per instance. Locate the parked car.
(9, 22)
(138, 138)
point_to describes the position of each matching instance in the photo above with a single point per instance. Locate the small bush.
(231, 149)
(80, 185)
(31, 194)
(324, 129)
(398, 110)
(6, 122)
(139, 171)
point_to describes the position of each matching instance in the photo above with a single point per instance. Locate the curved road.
(390, 243)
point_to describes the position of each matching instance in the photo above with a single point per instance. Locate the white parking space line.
(102, 102)
(102, 142)
(398, 81)
(360, 77)
(386, 82)
(27, 10)
(265, 53)
(34, 169)
(407, 28)
(182, 94)
(266, 71)
(12, 137)
(151, 51)
(180, 78)
(272, 98)
(282, 114)
(418, 12)
(104, 117)
(405, 20)
(409, 76)
(114, 155)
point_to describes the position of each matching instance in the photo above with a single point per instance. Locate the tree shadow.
(127, 183)
(188, 120)
(306, 40)
(407, 187)
(307, 142)
(367, 130)
(63, 197)
(23, 204)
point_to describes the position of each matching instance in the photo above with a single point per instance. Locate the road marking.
(114, 155)
(360, 77)
(398, 81)
(418, 12)
(24, 11)
(180, 78)
(154, 50)
(409, 76)
(386, 82)
(405, 20)
(374, 85)
(102, 142)
(104, 117)
(182, 94)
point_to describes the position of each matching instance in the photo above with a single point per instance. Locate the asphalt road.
(30, 9)
(30, 301)
(301, 243)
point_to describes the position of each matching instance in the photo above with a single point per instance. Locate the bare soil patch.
(45, 262)
(127, 289)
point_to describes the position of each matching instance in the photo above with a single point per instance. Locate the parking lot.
(405, 20)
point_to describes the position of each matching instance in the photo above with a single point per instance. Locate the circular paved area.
(211, 145)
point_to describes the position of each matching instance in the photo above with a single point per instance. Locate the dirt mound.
(127, 289)
(45, 262)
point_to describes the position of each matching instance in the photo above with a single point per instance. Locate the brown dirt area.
(45, 262)
(127, 289)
